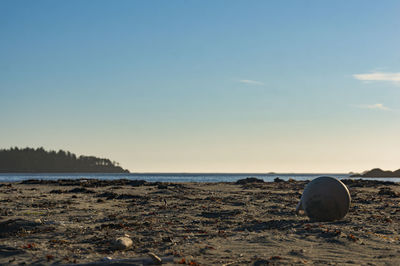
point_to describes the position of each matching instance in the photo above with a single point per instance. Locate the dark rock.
(57, 191)
(367, 183)
(80, 190)
(249, 180)
(388, 191)
(221, 214)
(129, 196)
(84, 182)
(108, 195)
(261, 262)
(167, 239)
(112, 195)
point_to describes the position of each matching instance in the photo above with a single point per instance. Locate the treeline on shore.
(38, 160)
(377, 172)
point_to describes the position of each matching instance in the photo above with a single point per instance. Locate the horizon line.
(255, 173)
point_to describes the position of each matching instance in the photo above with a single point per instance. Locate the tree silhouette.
(42, 161)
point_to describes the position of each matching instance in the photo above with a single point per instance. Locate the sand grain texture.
(68, 222)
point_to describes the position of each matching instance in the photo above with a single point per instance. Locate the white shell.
(325, 199)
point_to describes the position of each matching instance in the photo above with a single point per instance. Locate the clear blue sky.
(205, 86)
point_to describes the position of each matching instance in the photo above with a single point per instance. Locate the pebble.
(122, 243)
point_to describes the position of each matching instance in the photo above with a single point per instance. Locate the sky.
(205, 86)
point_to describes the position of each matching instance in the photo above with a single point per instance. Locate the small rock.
(122, 243)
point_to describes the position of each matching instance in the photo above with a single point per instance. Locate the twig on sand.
(233, 262)
(132, 261)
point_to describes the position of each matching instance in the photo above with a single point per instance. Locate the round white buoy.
(325, 199)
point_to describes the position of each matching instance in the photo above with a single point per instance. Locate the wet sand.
(77, 222)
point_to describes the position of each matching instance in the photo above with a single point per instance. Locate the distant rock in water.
(30, 160)
(377, 172)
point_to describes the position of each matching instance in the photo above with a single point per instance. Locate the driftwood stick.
(130, 262)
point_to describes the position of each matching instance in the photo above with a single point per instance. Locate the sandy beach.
(251, 223)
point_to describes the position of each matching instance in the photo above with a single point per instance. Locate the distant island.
(377, 172)
(38, 160)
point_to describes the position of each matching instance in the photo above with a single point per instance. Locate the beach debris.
(278, 180)
(122, 243)
(49, 257)
(325, 199)
(261, 262)
(28, 246)
(188, 262)
(272, 260)
(13, 226)
(224, 214)
(126, 261)
(352, 237)
(275, 258)
(80, 190)
(156, 259)
(162, 186)
(297, 252)
(249, 180)
(236, 262)
(388, 192)
(367, 183)
(167, 239)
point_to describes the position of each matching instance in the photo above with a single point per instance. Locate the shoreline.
(68, 222)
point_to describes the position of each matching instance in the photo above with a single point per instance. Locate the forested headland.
(29, 160)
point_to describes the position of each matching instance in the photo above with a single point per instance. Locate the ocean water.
(172, 177)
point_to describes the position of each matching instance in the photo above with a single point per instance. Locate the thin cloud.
(379, 76)
(376, 106)
(251, 82)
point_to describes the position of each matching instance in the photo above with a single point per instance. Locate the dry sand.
(68, 222)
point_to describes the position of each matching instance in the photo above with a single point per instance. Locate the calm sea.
(173, 177)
